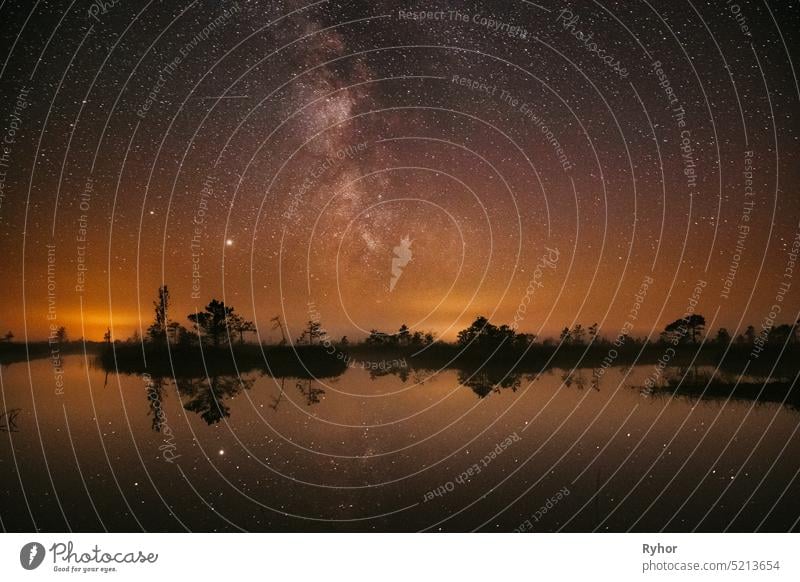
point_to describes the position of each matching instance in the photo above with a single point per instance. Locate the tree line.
(219, 324)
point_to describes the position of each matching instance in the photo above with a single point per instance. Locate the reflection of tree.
(155, 398)
(206, 396)
(709, 384)
(575, 378)
(488, 380)
(311, 392)
(384, 368)
(277, 400)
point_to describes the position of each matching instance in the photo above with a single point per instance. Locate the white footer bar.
(401, 557)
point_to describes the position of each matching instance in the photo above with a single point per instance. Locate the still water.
(398, 452)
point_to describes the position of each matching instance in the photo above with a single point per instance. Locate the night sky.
(276, 154)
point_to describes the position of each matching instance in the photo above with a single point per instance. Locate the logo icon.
(402, 255)
(31, 555)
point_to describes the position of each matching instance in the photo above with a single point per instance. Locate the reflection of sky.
(394, 450)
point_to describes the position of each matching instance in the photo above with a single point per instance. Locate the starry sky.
(275, 155)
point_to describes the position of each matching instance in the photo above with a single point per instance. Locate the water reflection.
(486, 380)
(577, 379)
(310, 390)
(710, 383)
(208, 396)
(276, 400)
(365, 441)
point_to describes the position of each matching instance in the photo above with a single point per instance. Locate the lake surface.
(398, 452)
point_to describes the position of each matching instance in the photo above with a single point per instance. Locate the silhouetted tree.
(403, 335)
(505, 332)
(377, 338)
(471, 334)
(176, 333)
(61, 334)
(688, 328)
(577, 334)
(696, 324)
(593, 332)
(312, 332)
(8, 337)
(523, 340)
(780, 334)
(241, 326)
(675, 332)
(276, 324)
(213, 321)
(107, 336)
(565, 336)
(157, 331)
(723, 337)
(486, 336)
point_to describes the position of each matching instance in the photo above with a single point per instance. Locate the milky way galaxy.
(274, 154)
